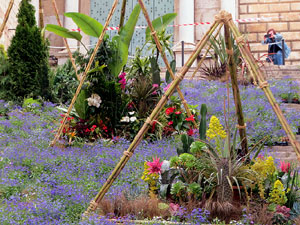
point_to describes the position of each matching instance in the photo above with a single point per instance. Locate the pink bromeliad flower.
(285, 167)
(155, 166)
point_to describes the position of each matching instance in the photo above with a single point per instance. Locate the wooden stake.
(258, 76)
(163, 55)
(41, 14)
(65, 40)
(7, 13)
(122, 17)
(235, 89)
(114, 6)
(138, 138)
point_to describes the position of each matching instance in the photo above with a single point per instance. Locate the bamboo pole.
(138, 138)
(235, 89)
(114, 6)
(41, 15)
(7, 13)
(206, 53)
(122, 17)
(163, 55)
(258, 76)
(65, 40)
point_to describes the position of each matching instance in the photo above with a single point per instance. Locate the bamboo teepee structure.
(222, 19)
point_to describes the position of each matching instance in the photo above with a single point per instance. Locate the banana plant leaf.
(122, 41)
(161, 23)
(87, 24)
(63, 32)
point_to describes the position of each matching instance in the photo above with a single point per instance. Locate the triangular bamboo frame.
(223, 18)
(82, 79)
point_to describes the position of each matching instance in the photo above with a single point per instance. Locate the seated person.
(275, 47)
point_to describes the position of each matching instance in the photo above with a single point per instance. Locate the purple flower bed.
(44, 185)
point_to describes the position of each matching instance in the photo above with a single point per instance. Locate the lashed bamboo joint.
(223, 16)
(241, 127)
(128, 154)
(240, 40)
(264, 84)
(229, 52)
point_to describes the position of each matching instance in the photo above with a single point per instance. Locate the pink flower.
(178, 112)
(155, 166)
(122, 75)
(283, 210)
(166, 88)
(285, 167)
(155, 85)
(174, 208)
(170, 123)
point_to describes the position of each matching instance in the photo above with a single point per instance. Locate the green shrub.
(28, 58)
(63, 83)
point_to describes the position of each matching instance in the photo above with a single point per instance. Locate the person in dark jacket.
(275, 47)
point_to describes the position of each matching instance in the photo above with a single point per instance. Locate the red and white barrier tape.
(199, 23)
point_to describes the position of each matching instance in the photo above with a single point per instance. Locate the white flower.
(131, 113)
(125, 119)
(132, 119)
(94, 100)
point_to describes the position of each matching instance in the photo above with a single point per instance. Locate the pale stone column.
(186, 33)
(230, 6)
(71, 6)
(186, 16)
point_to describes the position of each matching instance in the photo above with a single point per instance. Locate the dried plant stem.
(138, 138)
(85, 72)
(7, 13)
(235, 89)
(65, 40)
(206, 53)
(163, 55)
(122, 17)
(258, 76)
(41, 15)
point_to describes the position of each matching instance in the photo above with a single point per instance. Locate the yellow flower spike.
(215, 129)
(277, 195)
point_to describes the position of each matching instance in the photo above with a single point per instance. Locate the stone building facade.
(282, 15)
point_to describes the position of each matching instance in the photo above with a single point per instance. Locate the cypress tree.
(28, 58)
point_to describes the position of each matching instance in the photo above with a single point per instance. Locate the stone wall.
(11, 23)
(282, 15)
(282, 72)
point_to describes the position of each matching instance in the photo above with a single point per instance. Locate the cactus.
(155, 71)
(202, 127)
(186, 141)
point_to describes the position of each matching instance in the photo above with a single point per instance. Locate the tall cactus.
(202, 127)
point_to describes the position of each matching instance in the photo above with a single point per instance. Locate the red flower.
(155, 166)
(153, 126)
(191, 118)
(178, 112)
(190, 132)
(285, 167)
(87, 130)
(170, 123)
(169, 110)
